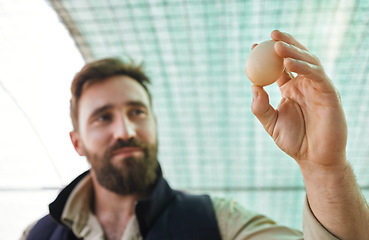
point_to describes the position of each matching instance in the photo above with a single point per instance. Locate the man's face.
(117, 134)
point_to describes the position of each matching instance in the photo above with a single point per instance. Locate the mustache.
(132, 142)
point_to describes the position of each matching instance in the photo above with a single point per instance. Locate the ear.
(74, 136)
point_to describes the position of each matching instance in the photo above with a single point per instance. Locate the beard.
(135, 175)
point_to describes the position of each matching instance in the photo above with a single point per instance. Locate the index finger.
(285, 37)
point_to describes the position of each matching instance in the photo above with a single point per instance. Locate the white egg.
(263, 65)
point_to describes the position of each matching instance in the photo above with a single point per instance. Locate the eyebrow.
(137, 103)
(100, 110)
(106, 107)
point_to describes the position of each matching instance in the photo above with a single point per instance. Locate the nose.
(123, 128)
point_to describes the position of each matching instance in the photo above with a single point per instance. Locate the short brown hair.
(98, 71)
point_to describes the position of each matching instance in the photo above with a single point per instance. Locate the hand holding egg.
(309, 125)
(263, 65)
(305, 123)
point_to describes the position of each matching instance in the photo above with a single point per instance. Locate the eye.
(104, 117)
(138, 112)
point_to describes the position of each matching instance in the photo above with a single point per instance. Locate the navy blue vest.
(167, 214)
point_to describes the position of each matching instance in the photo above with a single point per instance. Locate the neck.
(111, 209)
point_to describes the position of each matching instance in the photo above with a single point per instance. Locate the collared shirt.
(234, 221)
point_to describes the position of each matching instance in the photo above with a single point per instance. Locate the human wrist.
(333, 165)
(327, 179)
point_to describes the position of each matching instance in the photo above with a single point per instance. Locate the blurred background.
(194, 52)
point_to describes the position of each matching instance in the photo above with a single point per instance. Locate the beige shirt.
(234, 221)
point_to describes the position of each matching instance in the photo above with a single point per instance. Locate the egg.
(263, 65)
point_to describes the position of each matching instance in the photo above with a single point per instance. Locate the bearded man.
(124, 195)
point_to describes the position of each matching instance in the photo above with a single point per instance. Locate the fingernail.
(284, 44)
(291, 59)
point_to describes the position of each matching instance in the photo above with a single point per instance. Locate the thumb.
(261, 108)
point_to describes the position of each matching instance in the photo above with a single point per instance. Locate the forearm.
(336, 201)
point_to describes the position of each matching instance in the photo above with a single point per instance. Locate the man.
(124, 195)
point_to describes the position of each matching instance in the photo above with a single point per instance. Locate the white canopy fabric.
(38, 60)
(194, 52)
